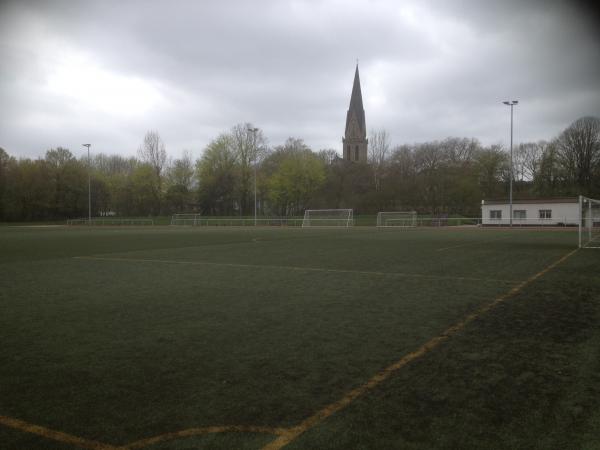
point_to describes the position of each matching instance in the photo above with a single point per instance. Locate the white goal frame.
(589, 222)
(397, 219)
(328, 218)
(190, 219)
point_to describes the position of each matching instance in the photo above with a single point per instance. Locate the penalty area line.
(294, 432)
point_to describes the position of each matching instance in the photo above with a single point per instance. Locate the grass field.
(186, 338)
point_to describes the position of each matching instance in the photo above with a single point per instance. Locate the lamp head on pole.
(511, 103)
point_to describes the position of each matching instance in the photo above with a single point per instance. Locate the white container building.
(538, 212)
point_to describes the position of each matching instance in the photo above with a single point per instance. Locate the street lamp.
(253, 131)
(511, 104)
(89, 186)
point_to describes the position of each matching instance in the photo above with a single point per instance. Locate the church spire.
(355, 137)
(356, 103)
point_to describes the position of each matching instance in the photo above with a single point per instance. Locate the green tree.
(180, 184)
(143, 189)
(5, 169)
(114, 175)
(33, 190)
(217, 177)
(68, 178)
(297, 178)
(492, 166)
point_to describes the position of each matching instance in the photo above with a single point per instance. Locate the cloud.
(106, 72)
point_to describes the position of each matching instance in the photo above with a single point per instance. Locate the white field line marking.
(594, 240)
(296, 268)
(471, 243)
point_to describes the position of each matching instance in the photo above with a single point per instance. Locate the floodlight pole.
(89, 186)
(253, 131)
(511, 104)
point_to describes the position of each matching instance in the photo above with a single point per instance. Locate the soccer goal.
(185, 219)
(328, 218)
(397, 219)
(589, 222)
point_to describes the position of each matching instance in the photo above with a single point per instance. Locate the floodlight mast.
(511, 104)
(89, 185)
(253, 131)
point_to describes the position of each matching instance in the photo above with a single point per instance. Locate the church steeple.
(355, 137)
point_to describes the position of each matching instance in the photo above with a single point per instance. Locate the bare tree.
(579, 150)
(527, 160)
(460, 151)
(248, 148)
(293, 145)
(550, 174)
(379, 147)
(153, 151)
(328, 155)
(429, 156)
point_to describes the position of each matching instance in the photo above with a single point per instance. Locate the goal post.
(186, 219)
(397, 219)
(589, 222)
(328, 218)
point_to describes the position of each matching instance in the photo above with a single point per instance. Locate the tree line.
(451, 176)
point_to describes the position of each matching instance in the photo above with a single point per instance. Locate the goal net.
(397, 219)
(328, 218)
(589, 222)
(185, 219)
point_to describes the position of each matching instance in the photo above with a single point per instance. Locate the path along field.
(181, 338)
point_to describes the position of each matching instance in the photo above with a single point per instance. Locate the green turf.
(167, 329)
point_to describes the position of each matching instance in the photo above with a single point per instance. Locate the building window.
(519, 214)
(545, 214)
(356, 153)
(347, 152)
(495, 214)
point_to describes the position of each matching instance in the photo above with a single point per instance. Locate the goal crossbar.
(328, 218)
(185, 219)
(397, 219)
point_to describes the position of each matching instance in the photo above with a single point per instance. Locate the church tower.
(355, 138)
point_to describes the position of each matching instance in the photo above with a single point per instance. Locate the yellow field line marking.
(286, 435)
(54, 435)
(200, 431)
(294, 432)
(295, 268)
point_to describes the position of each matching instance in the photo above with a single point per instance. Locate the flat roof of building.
(532, 201)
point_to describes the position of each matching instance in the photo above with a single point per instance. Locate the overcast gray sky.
(105, 72)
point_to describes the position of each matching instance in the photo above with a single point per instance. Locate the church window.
(356, 153)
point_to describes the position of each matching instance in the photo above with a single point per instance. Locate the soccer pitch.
(170, 338)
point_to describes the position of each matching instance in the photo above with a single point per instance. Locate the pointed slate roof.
(356, 105)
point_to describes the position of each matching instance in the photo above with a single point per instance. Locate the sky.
(106, 72)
